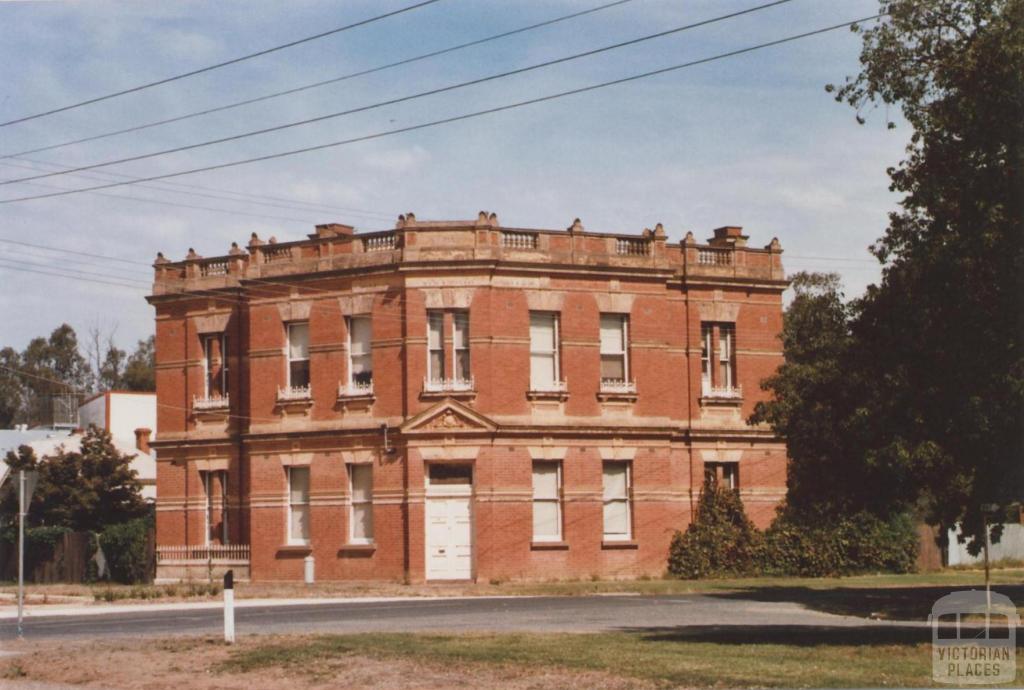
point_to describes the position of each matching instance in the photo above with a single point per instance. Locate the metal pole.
(21, 550)
(988, 589)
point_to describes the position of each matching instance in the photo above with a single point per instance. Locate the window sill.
(549, 546)
(720, 401)
(616, 396)
(294, 549)
(458, 394)
(547, 395)
(624, 544)
(357, 549)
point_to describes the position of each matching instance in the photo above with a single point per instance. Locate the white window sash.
(293, 328)
(298, 506)
(435, 325)
(359, 505)
(623, 499)
(544, 497)
(547, 350)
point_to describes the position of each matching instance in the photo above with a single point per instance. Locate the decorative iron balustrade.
(355, 389)
(721, 392)
(618, 386)
(216, 553)
(454, 385)
(289, 393)
(210, 402)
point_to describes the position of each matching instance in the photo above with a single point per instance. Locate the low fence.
(186, 563)
(72, 558)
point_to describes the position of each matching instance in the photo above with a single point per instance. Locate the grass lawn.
(659, 659)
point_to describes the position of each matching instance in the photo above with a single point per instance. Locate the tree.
(139, 371)
(10, 387)
(51, 367)
(938, 342)
(82, 490)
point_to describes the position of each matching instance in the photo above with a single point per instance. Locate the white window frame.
(207, 477)
(349, 322)
(457, 317)
(623, 350)
(435, 316)
(730, 472)
(557, 500)
(706, 332)
(292, 540)
(353, 504)
(292, 325)
(726, 347)
(553, 351)
(627, 500)
(207, 340)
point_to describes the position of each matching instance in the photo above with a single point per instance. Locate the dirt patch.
(195, 663)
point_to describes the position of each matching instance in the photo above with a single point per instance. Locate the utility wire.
(403, 99)
(318, 84)
(187, 191)
(218, 65)
(456, 118)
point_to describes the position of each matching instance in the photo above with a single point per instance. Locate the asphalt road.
(534, 614)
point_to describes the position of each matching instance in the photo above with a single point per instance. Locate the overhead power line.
(456, 118)
(403, 99)
(210, 68)
(318, 84)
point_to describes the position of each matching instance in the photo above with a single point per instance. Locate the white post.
(21, 549)
(229, 607)
(308, 562)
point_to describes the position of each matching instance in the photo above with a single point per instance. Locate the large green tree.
(938, 343)
(86, 489)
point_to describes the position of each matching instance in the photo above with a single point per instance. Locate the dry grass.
(201, 664)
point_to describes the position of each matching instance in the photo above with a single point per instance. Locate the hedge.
(722, 542)
(126, 549)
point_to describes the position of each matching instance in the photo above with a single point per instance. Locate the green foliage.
(938, 342)
(40, 543)
(126, 548)
(84, 490)
(848, 545)
(721, 542)
(139, 371)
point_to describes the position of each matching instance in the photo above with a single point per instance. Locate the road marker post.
(229, 607)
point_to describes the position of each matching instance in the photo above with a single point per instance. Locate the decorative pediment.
(449, 417)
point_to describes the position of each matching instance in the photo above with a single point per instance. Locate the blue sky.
(752, 140)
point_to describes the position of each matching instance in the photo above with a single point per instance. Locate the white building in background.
(130, 417)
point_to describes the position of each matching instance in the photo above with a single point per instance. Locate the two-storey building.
(457, 400)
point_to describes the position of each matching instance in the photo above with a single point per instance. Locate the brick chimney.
(728, 236)
(142, 435)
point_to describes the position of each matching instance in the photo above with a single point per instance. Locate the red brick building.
(458, 399)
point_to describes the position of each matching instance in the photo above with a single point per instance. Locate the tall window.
(460, 344)
(718, 358)
(435, 345)
(298, 505)
(725, 474)
(360, 478)
(215, 484)
(544, 364)
(617, 487)
(547, 501)
(298, 355)
(360, 356)
(448, 347)
(614, 346)
(215, 365)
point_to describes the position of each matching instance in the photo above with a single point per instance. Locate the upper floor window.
(448, 350)
(360, 479)
(614, 348)
(718, 359)
(544, 362)
(215, 366)
(298, 355)
(360, 356)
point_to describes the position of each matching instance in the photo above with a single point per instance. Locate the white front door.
(449, 538)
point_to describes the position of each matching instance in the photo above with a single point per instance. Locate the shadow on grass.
(892, 603)
(795, 635)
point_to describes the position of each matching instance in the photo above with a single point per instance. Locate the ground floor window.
(547, 501)
(361, 511)
(298, 505)
(617, 519)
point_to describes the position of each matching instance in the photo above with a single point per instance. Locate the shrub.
(833, 546)
(720, 542)
(126, 548)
